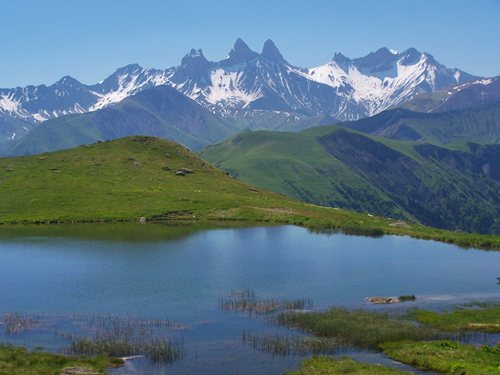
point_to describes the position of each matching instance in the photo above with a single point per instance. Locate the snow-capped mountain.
(384, 79)
(68, 96)
(344, 89)
(247, 81)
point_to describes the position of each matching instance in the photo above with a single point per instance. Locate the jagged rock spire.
(271, 52)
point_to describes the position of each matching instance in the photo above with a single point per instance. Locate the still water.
(180, 273)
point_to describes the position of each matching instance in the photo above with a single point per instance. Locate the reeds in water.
(17, 322)
(246, 301)
(156, 350)
(283, 345)
(119, 336)
(357, 328)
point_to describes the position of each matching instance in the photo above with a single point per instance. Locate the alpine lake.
(191, 286)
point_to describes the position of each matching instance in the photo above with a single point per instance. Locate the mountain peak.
(127, 69)
(271, 52)
(340, 58)
(410, 57)
(68, 81)
(195, 64)
(240, 52)
(192, 56)
(381, 56)
(240, 45)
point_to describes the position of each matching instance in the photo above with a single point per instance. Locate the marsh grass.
(106, 334)
(16, 322)
(118, 336)
(156, 350)
(473, 317)
(246, 301)
(284, 345)
(130, 324)
(357, 328)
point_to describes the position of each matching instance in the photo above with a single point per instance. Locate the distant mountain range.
(247, 89)
(467, 95)
(159, 111)
(440, 169)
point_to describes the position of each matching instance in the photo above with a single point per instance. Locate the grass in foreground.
(18, 361)
(485, 318)
(446, 357)
(358, 328)
(329, 366)
(135, 177)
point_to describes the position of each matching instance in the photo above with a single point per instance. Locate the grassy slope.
(297, 165)
(135, 176)
(446, 357)
(480, 124)
(18, 361)
(321, 365)
(294, 165)
(277, 121)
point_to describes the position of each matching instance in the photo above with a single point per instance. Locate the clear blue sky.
(89, 39)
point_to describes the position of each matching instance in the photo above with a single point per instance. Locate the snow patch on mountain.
(226, 88)
(128, 84)
(8, 103)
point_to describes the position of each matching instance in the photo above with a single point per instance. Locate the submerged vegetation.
(132, 178)
(321, 365)
(283, 345)
(156, 350)
(15, 322)
(246, 301)
(119, 336)
(18, 361)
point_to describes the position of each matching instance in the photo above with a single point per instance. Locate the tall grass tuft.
(283, 345)
(246, 301)
(118, 336)
(17, 322)
(156, 350)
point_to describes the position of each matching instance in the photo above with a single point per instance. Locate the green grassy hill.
(452, 188)
(479, 124)
(132, 177)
